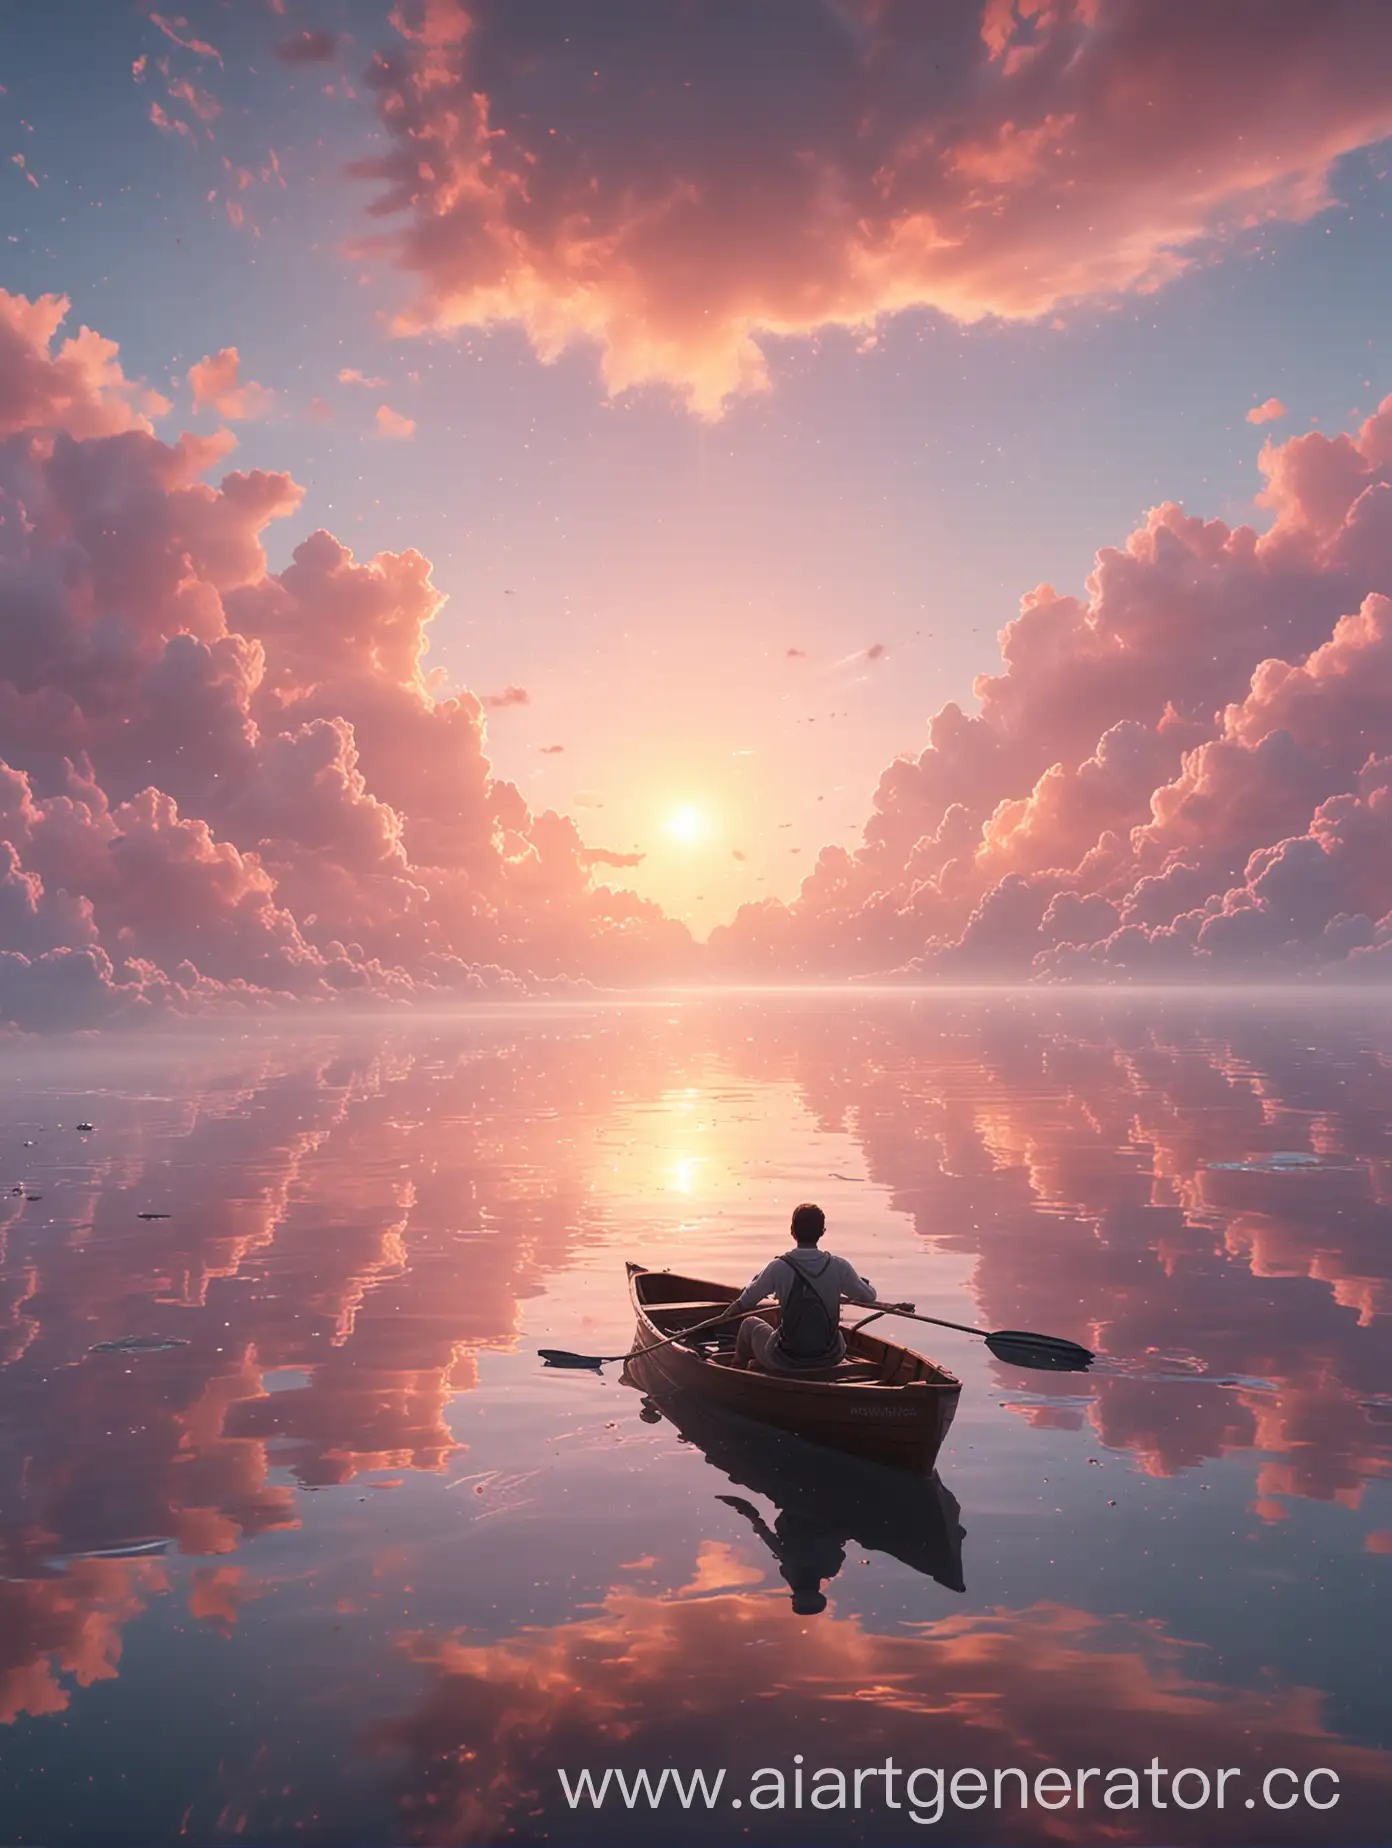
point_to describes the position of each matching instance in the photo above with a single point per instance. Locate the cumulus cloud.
(1267, 412)
(223, 787)
(510, 696)
(1184, 774)
(870, 159)
(215, 382)
(227, 787)
(80, 388)
(393, 425)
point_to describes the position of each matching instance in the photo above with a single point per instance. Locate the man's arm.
(755, 1290)
(854, 1287)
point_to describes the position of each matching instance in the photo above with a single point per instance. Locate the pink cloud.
(351, 376)
(1156, 770)
(510, 696)
(237, 188)
(605, 856)
(393, 425)
(167, 124)
(66, 1631)
(216, 385)
(1008, 1687)
(573, 186)
(207, 108)
(80, 389)
(223, 787)
(1267, 412)
(199, 47)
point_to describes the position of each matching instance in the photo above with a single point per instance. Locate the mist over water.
(319, 1552)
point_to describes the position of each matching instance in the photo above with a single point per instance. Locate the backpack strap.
(805, 1316)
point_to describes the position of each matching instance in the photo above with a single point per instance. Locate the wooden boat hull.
(901, 1419)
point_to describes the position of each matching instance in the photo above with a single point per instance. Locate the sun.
(687, 825)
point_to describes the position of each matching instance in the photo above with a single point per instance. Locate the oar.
(1017, 1345)
(562, 1357)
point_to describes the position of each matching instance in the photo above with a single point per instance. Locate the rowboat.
(881, 1401)
(824, 1500)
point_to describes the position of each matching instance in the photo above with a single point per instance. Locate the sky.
(738, 371)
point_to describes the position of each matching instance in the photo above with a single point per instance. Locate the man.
(810, 1286)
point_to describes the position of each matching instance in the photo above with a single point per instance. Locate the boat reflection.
(825, 1501)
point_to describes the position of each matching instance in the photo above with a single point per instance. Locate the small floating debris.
(135, 1549)
(152, 1215)
(846, 1177)
(138, 1344)
(28, 1145)
(1282, 1161)
(85, 1128)
(1055, 1402)
(33, 1196)
(1154, 1368)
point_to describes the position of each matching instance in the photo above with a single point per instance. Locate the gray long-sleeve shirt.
(831, 1277)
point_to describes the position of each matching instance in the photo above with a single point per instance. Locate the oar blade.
(1045, 1353)
(561, 1357)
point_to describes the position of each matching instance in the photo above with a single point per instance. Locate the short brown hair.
(809, 1223)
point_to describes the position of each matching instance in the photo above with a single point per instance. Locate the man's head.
(809, 1223)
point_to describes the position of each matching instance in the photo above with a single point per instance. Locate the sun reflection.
(684, 1173)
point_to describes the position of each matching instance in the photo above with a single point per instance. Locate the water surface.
(346, 1565)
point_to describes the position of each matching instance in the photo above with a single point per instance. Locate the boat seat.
(846, 1369)
(846, 1372)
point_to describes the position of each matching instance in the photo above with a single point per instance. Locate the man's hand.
(900, 1308)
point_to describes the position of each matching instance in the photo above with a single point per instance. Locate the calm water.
(350, 1567)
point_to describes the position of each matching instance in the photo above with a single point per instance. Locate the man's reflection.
(807, 1553)
(824, 1500)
